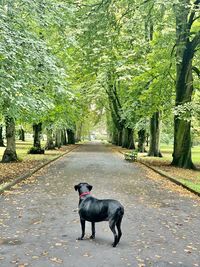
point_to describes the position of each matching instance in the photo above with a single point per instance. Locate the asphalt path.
(39, 222)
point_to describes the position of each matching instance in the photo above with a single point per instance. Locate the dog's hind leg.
(83, 229)
(118, 224)
(93, 231)
(112, 224)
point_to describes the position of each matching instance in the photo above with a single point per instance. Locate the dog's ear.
(89, 187)
(76, 187)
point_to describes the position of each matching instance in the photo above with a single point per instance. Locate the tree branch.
(192, 15)
(197, 71)
(195, 42)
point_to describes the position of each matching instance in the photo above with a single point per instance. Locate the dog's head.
(83, 187)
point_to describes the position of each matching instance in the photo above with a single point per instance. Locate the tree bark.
(120, 134)
(21, 134)
(71, 136)
(127, 138)
(37, 132)
(114, 135)
(50, 142)
(1, 136)
(58, 143)
(63, 137)
(186, 48)
(147, 139)
(182, 128)
(79, 132)
(141, 140)
(154, 149)
(115, 107)
(10, 154)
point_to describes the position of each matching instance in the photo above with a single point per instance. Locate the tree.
(187, 41)
(1, 136)
(10, 154)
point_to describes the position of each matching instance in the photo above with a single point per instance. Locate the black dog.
(94, 210)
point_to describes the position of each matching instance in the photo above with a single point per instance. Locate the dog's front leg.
(93, 231)
(83, 229)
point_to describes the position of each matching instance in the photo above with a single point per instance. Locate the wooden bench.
(131, 156)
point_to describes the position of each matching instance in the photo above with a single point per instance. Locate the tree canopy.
(66, 64)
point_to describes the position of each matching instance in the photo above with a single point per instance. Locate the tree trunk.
(71, 136)
(50, 143)
(114, 135)
(147, 139)
(63, 137)
(115, 107)
(58, 139)
(182, 145)
(10, 154)
(182, 128)
(141, 140)
(154, 149)
(37, 132)
(79, 132)
(120, 133)
(21, 134)
(1, 136)
(186, 48)
(127, 138)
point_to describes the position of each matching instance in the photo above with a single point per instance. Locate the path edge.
(9, 185)
(168, 177)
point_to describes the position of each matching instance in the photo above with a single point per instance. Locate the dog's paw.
(92, 237)
(80, 238)
(114, 244)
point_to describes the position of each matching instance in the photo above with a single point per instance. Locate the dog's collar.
(84, 194)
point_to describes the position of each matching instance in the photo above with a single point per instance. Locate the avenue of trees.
(66, 64)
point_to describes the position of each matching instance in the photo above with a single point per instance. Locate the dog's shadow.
(102, 242)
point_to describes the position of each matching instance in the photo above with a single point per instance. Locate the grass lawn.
(190, 178)
(167, 153)
(23, 147)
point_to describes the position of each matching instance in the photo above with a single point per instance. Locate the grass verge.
(189, 178)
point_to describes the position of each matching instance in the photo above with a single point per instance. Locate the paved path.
(39, 222)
